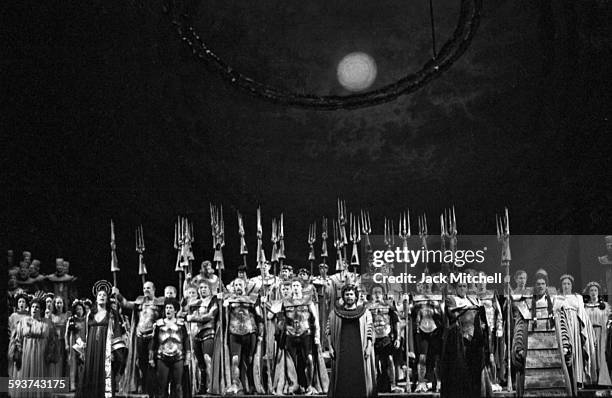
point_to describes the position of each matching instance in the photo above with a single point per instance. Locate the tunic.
(37, 339)
(599, 317)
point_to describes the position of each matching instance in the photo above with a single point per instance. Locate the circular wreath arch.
(453, 49)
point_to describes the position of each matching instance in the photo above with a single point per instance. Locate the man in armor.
(169, 350)
(307, 286)
(62, 283)
(463, 365)
(322, 284)
(286, 272)
(207, 273)
(203, 314)
(145, 309)
(269, 283)
(541, 347)
(494, 318)
(245, 332)
(427, 312)
(301, 330)
(386, 339)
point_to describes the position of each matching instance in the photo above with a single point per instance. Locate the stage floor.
(502, 394)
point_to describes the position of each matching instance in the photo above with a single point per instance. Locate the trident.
(342, 225)
(449, 231)
(312, 238)
(114, 260)
(423, 235)
(324, 254)
(274, 240)
(338, 244)
(404, 233)
(281, 241)
(243, 246)
(218, 236)
(355, 229)
(503, 237)
(366, 229)
(140, 249)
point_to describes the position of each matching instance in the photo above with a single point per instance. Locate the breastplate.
(148, 316)
(466, 323)
(490, 313)
(381, 320)
(170, 340)
(428, 311)
(242, 320)
(297, 318)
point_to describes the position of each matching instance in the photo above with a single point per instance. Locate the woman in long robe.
(580, 332)
(598, 312)
(31, 347)
(97, 380)
(59, 317)
(21, 312)
(75, 330)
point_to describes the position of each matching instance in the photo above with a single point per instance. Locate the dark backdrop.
(106, 115)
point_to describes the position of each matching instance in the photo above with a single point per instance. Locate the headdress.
(102, 284)
(567, 276)
(591, 284)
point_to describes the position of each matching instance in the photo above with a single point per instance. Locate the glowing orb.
(356, 71)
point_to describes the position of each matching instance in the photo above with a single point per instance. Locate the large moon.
(356, 71)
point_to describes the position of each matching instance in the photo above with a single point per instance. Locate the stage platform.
(502, 394)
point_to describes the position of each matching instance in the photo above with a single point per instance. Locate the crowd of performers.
(296, 333)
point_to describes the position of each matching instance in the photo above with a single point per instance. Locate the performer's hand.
(366, 353)
(317, 341)
(188, 276)
(521, 354)
(500, 332)
(259, 338)
(411, 355)
(396, 344)
(264, 299)
(332, 354)
(115, 291)
(492, 358)
(151, 363)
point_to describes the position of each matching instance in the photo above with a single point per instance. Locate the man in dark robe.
(462, 366)
(351, 333)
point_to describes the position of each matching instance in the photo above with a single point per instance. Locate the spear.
(274, 240)
(366, 229)
(261, 260)
(342, 225)
(312, 238)
(261, 257)
(355, 230)
(503, 237)
(281, 241)
(423, 235)
(218, 233)
(243, 247)
(324, 254)
(114, 260)
(404, 233)
(140, 249)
